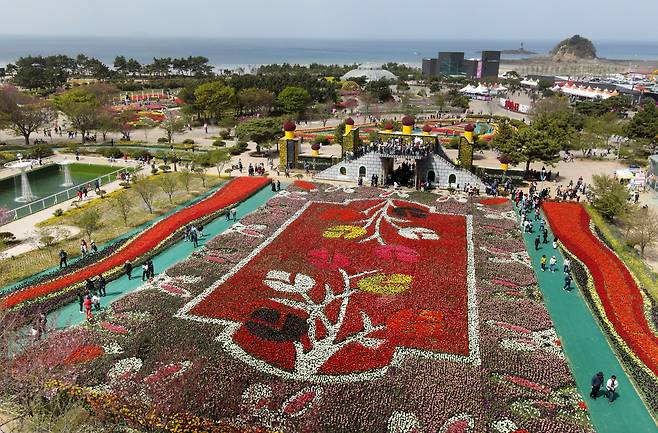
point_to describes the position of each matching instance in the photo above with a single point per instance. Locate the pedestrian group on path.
(529, 206)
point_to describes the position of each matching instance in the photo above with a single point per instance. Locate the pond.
(48, 180)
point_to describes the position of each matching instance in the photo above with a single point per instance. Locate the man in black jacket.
(597, 382)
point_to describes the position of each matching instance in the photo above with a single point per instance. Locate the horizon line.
(330, 38)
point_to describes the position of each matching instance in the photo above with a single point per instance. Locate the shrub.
(163, 140)
(40, 151)
(239, 148)
(225, 134)
(322, 140)
(219, 143)
(139, 153)
(58, 212)
(111, 152)
(165, 168)
(6, 236)
(188, 141)
(154, 170)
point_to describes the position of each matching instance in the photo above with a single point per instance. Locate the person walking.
(567, 282)
(611, 388)
(40, 325)
(567, 265)
(81, 301)
(552, 264)
(195, 238)
(278, 185)
(542, 263)
(101, 285)
(87, 304)
(94, 248)
(537, 242)
(62, 259)
(96, 302)
(151, 269)
(83, 248)
(145, 271)
(128, 268)
(89, 286)
(597, 382)
(234, 214)
(545, 235)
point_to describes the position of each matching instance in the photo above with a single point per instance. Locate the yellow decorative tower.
(349, 125)
(289, 146)
(427, 129)
(466, 147)
(408, 123)
(351, 138)
(388, 128)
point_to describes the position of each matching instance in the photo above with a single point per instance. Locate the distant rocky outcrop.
(573, 49)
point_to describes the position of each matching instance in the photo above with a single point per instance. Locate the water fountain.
(66, 166)
(26, 194)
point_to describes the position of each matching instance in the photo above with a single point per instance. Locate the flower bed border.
(642, 376)
(64, 294)
(143, 415)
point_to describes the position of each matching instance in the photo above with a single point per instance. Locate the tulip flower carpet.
(336, 309)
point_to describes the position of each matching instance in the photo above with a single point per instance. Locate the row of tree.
(51, 72)
(215, 100)
(86, 108)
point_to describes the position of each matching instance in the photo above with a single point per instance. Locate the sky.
(361, 19)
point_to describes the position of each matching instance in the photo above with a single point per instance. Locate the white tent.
(481, 90)
(585, 92)
(498, 88)
(468, 89)
(530, 82)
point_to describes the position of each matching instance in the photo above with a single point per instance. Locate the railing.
(67, 194)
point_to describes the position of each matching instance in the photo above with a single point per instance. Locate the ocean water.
(229, 53)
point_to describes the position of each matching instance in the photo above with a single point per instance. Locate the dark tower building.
(451, 63)
(490, 63)
(430, 68)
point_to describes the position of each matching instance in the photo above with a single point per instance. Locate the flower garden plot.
(340, 290)
(618, 292)
(346, 309)
(612, 293)
(144, 243)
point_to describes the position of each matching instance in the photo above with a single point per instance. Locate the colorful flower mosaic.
(339, 309)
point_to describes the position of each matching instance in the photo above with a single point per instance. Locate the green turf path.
(587, 349)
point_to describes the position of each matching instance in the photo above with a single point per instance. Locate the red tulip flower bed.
(381, 247)
(494, 201)
(618, 292)
(235, 191)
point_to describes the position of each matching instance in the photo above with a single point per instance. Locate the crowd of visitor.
(398, 147)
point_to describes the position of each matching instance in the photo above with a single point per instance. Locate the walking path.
(235, 191)
(70, 315)
(587, 349)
